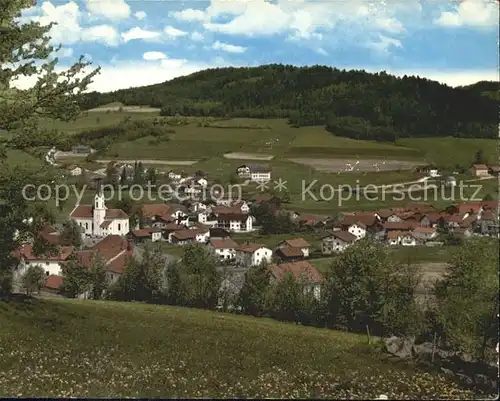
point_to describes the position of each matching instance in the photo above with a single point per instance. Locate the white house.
(50, 263)
(174, 176)
(188, 236)
(408, 240)
(357, 229)
(202, 182)
(297, 243)
(253, 255)
(225, 249)
(337, 242)
(425, 233)
(236, 222)
(74, 170)
(208, 218)
(394, 237)
(303, 272)
(433, 173)
(242, 206)
(99, 221)
(256, 172)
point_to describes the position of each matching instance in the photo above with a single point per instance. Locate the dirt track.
(337, 165)
(248, 156)
(145, 161)
(128, 109)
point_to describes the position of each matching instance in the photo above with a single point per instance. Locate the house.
(149, 233)
(51, 263)
(235, 222)
(394, 237)
(53, 283)
(219, 233)
(207, 217)
(99, 221)
(419, 208)
(433, 172)
(187, 236)
(289, 254)
(488, 223)
(424, 233)
(242, 206)
(74, 170)
(312, 221)
(50, 235)
(429, 219)
(225, 249)
(479, 170)
(81, 149)
(266, 198)
(160, 214)
(255, 172)
(494, 170)
(336, 242)
(408, 240)
(253, 254)
(462, 233)
(450, 181)
(400, 226)
(303, 272)
(296, 243)
(114, 252)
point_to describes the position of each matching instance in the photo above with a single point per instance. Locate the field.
(67, 348)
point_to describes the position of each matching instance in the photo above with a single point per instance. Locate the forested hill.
(352, 103)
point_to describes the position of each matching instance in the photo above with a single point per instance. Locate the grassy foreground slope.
(56, 347)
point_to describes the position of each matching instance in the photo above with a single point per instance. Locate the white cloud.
(189, 15)
(321, 51)
(65, 52)
(140, 15)
(111, 9)
(196, 36)
(154, 56)
(172, 32)
(137, 33)
(101, 33)
(384, 44)
(391, 25)
(228, 47)
(476, 13)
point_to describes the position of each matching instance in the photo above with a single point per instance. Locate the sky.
(142, 42)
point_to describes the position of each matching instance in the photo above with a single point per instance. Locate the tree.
(142, 279)
(71, 234)
(467, 299)
(364, 288)
(254, 294)
(33, 280)
(77, 279)
(54, 96)
(123, 176)
(287, 299)
(139, 173)
(202, 281)
(98, 279)
(151, 176)
(111, 175)
(479, 157)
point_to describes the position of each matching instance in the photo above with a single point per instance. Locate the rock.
(447, 372)
(422, 349)
(401, 347)
(465, 379)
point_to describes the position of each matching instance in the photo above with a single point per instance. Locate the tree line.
(353, 103)
(363, 290)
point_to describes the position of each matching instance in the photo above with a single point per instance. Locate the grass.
(19, 158)
(68, 348)
(448, 151)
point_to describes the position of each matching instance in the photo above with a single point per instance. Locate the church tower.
(99, 210)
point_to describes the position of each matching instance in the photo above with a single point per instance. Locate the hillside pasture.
(71, 348)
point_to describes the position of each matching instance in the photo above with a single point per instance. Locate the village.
(226, 228)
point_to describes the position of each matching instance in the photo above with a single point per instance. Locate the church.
(98, 221)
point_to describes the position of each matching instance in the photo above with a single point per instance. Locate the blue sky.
(141, 42)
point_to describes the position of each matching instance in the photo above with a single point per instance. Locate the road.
(146, 161)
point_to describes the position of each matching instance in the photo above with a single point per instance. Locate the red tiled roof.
(50, 234)
(106, 223)
(185, 234)
(488, 215)
(290, 252)
(453, 218)
(403, 225)
(490, 204)
(480, 166)
(173, 227)
(345, 236)
(26, 251)
(301, 270)
(249, 248)
(111, 246)
(420, 207)
(226, 243)
(367, 220)
(309, 219)
(117, 265)
(226, 210)
(424, 230)
(233, 217)
(157, 209)
(116, 214)
(297, 243)
(469, 207)
(53, 282)
(142, 232)
(82, 212)
(396, 234)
